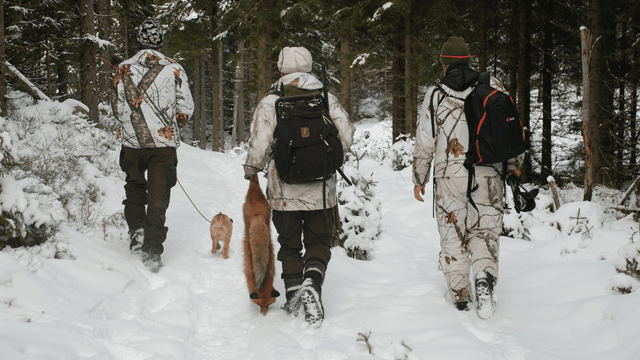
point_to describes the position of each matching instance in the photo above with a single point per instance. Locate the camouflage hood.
(300, 80)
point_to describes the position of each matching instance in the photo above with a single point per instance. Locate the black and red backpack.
(496, 132)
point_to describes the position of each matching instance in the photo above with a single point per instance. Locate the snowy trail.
(400, 288)
(103, 304)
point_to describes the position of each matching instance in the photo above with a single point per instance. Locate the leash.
(185, 191)
(194, 205)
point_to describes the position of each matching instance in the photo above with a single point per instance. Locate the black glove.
(522, 200)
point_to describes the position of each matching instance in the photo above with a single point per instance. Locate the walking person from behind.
(302, 215)
(152, 101)
(469, 237)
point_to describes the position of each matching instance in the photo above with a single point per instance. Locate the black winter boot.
(310, 295)
(462, 305)
(292, 293)
(136, 239)
(485, 302)
(152, 261)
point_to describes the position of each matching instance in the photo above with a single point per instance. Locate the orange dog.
(221, 231)
(259, 261)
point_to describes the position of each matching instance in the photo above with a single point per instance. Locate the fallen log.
(31, 88)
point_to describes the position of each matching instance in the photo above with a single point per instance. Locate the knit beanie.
(454, 50)
(294, 59)
(150, 35)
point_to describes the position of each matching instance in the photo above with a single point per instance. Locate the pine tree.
(89, 71)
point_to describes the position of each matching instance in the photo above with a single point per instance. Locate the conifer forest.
(380, 56)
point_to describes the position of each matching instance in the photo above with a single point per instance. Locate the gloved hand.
(249, 171)
(182, 119)
(513, 177)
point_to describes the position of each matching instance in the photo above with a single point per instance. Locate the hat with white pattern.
(294, 59)
(150, 35)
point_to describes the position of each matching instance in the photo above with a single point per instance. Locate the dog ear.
(275, 293)
(230, 219)
(253, 296)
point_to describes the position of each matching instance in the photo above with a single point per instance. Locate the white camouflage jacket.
(292, 197)
(452, 133)
(151, 100)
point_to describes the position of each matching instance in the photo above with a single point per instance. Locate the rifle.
(325, 93)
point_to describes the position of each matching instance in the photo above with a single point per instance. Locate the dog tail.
(260, 250)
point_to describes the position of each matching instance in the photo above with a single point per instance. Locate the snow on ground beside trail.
(99, 302)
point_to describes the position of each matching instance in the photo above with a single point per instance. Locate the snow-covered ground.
(99, 302)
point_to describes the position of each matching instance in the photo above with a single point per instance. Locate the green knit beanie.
(454, 50)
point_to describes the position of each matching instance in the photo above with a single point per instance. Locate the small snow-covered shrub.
(512, 225)
(373, 141)
(401, 152)
(359, 213)
(29, 215)
(623, 283)
(24, 221)
(628, 261)
(61, 172)
(7, 157)
(578, 217)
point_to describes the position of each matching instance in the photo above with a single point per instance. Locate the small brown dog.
(259, 261)
(221, 231)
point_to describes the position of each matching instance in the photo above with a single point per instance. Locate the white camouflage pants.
(469, 238)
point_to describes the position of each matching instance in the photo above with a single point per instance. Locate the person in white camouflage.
(304, 232)
(152, 101)
(469, 238)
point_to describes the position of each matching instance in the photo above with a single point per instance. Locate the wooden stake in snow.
(31, 88)
(554, 192)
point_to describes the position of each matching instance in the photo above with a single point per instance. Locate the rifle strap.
(470, 187)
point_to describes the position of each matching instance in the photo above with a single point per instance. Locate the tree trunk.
(47, 58)
(215, 97)
(234, 122)
(251, 75)
(88, 71)
(621, 126)
(595, 101)
(514, 49)
(620, 123)
(547, 82)
(482, 35)
(202, 81)
(3, 72)
(216, 76)
(104, 31)
(197, 113)
(633, 113)
(524, 75)
(397, 84)
(357, 96)
(265, 43)
(585, 37)
(199, 97)
(345, 70)
(221, 96)
(411, 76)
(241, 135)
